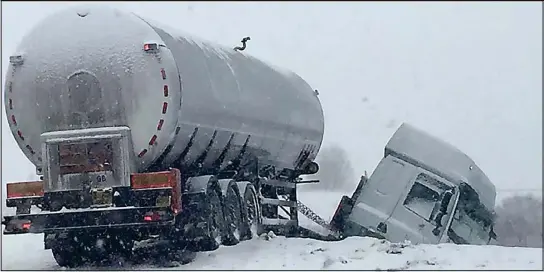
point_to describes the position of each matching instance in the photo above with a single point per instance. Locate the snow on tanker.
(142, 133)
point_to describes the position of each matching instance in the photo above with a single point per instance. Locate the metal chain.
(306, 211)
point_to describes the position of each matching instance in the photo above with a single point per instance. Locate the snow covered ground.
(25, 252)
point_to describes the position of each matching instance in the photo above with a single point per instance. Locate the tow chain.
(306, 211)
(314, 217)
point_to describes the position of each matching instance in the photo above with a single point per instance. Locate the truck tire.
(215, 220)
(232, 208)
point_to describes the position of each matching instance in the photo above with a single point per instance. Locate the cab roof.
(441, 158)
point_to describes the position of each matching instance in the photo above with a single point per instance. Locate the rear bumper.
(107, 218)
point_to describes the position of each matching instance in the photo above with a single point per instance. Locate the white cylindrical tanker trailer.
(87, 68)
(139, 130)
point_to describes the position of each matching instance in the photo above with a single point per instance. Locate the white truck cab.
(423, 190)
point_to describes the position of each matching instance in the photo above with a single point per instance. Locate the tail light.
(151, 47)
(26, 226)
(15, 226)
(166, 179)
(24, 189)
(154, 216)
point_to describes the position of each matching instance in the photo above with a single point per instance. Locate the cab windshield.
(472, 222)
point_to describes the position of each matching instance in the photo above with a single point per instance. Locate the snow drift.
(25, 252)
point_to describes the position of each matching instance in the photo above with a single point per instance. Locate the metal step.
(279, 183)
(278, 222)
(278, 202)
(307, 181)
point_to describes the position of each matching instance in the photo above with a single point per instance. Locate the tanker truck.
(139, 132)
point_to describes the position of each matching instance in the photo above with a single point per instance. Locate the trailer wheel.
(251, 213)
(68, 257)
(233, 217)
(75, 250)
(118, 249)
(215, 221)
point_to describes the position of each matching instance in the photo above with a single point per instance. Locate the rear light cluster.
(155, 216)
(18, 226)
(170, 180)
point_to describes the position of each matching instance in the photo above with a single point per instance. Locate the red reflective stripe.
(153, 139)
(150, 180)
(13, 120)
(13, 195)
(163, 73)
(20, 135)
(175, 204)
(142, 153)
(159, 126)
(165, 90)
(30, 149)
(24, 189)
(164, 107)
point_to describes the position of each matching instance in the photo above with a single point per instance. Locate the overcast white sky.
(470, 73)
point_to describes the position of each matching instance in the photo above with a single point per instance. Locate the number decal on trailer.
(101, 178)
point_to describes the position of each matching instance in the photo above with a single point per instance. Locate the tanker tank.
(89, 67)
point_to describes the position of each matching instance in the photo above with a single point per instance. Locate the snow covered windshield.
(472, 222)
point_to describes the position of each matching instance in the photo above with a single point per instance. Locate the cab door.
(420, 215)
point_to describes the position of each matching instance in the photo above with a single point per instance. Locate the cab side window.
(424, 197)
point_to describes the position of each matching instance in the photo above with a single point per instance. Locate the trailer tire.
(215, 220)
(234, 219)
(119, 249)
(65, 257)
(252, 216)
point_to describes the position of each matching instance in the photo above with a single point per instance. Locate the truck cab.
(423, 190)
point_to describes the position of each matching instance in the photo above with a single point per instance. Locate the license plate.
(102, 197)
(163, 201)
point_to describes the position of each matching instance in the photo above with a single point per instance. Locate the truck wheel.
(67, 257)
(215, 221)
(233, 217)
(251, 213)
